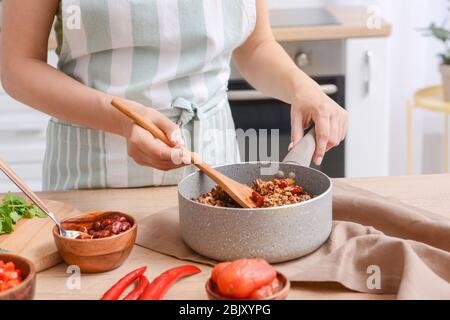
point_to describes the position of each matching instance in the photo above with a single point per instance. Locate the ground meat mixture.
(273, 193)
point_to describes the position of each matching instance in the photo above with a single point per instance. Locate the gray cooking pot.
(275, 234)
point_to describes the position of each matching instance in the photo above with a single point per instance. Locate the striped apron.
(171, 55)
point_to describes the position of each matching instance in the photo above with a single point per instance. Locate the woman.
(162, 57)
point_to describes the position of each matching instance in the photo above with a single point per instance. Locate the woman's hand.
(147, 150)
(310, 106)
(268, 68)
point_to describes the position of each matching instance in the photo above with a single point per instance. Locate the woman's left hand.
(268, 68)
(312, 106)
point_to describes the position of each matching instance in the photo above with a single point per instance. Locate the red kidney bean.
(116, 227)
(125, 226)
(106, 222)
(97, 225)
(107, 227)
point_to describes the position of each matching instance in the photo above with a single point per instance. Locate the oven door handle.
(251, 95)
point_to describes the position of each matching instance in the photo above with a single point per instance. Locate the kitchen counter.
(430, 193)
(353, 24)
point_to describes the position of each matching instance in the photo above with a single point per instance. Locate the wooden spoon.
(240, 193)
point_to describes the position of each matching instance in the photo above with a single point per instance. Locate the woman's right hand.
(149, 151)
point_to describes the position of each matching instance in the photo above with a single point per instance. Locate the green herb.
(442, 34)
(13, 208)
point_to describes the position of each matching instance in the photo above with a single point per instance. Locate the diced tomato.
(9, 276)
(260, 202)
(3, 286)
(259, 199)
(13, 283)
(283, 184)
(9, 266)
(295, 189)
(266, 291)
(241, 277)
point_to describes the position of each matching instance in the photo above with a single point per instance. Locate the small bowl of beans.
(112, 237)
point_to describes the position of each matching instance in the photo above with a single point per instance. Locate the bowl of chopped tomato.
(17, 277)
(247, 279)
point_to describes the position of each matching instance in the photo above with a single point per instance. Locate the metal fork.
(8, 171)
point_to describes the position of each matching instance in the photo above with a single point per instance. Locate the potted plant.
(442, 34)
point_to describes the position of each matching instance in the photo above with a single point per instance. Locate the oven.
(269, 117)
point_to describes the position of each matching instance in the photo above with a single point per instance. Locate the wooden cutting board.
(33, 238)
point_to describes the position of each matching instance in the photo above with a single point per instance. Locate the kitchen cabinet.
(22, 138)
(367, 103)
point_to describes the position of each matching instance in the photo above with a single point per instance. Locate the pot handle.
(302, 153)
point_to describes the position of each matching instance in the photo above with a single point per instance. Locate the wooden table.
(431, 193)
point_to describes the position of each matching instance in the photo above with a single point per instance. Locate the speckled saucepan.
(275, 234)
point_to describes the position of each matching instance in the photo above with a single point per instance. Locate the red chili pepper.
(136, 293)
(117, 289)
(158, 288)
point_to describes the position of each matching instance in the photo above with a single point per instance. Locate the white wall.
(414, 65)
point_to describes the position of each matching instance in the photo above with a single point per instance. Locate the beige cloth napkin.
(378, 245)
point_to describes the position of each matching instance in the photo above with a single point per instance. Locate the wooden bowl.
(95, 255)
(25, 290)
(280, 295)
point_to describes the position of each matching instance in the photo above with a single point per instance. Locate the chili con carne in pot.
(276, 234)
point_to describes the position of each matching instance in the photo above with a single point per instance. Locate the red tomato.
(241, 277)
(266, 291)
(218, 269)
